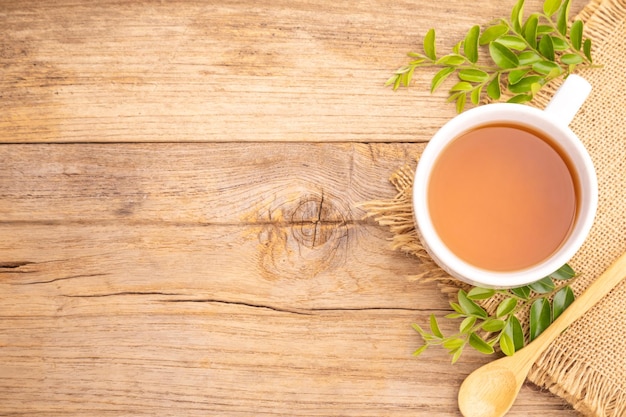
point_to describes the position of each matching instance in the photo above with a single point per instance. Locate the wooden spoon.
(490, 390)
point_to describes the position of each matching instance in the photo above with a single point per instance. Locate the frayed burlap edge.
(397, 215)
(587, 390)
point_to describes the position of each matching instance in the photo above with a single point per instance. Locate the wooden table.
(179, 224)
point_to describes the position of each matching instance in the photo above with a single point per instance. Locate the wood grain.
(307, 70)
(305, 229)
(128, 287)
(201, 183)
(180, 229)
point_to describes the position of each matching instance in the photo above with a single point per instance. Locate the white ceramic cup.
(552, 122)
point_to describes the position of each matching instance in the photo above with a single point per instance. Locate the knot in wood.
(307, 236)
(314, 223)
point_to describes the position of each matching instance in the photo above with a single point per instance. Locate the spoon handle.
(594, 293)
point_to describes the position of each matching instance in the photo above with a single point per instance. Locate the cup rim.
(521, 115)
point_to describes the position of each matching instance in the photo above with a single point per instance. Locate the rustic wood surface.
(180, 231)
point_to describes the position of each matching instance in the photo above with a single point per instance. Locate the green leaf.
(480, 345)
(546, 67)
(502, 56)
(403, 70)
(467, 324)
(453, 96)
(453, 344)
(561, 21)
(544, 29)
(520, 98)
(478, 293)
(440, 77)
(457, 354)
(391, 80)
(587, 49)
(457, 47)
(543, 286)
(562, 299)
(475, 95)
(430, 338)
(456, 307)
(434, 327)
(571, 59)
(420, 350)
(397, 81)
(409, 75)
(470, 47)
(555, 73)
(529, 57)
(563, 273)
(521, 292)
(516, 75)
(418, 329)
(492, 33)
(516, 16)
(514, 330)
(506, 306)
(530, 30)
(404, 79)
(470, 307)
(493, 89)
(462, 86)
(454, 316)
(416, 55)
(550, 7)
(559, 44)
(546, 47)
(473, 75)
(493, 325)
(513, 42)
(535, 87)
(540, 317)
(451, 60)
(429, 45)
(506, 344)
(460, 102)
(524, 86)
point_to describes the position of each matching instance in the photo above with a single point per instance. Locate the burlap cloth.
(586, 365)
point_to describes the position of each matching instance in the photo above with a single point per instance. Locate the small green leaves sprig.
(543, 302)
(525, 55)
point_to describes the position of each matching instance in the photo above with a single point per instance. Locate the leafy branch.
(543, 301)
(525, 55)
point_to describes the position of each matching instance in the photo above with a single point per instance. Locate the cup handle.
(568, 99)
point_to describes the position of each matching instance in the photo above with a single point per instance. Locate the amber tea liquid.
(501, 197)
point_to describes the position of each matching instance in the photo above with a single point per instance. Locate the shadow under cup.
(483, 210)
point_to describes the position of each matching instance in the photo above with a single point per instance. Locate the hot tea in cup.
(505, 194)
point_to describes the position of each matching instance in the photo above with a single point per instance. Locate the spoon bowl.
(490, 390)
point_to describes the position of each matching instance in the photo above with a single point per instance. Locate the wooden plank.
(136, 355)
(196, 183)
(308, 70)
(246, 264)
(144, 347)
(122, 218)
(200, 301)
